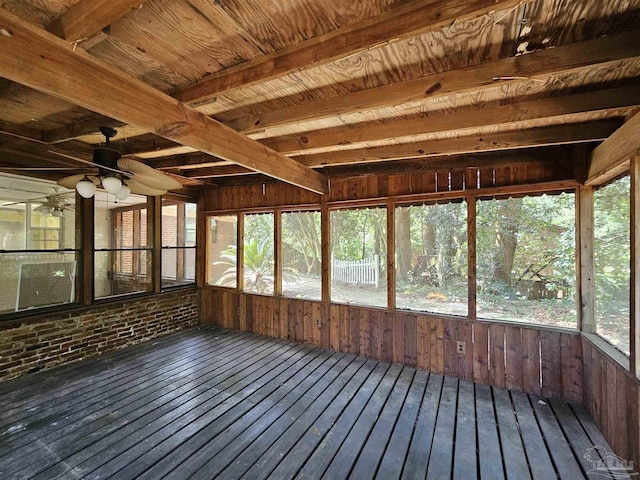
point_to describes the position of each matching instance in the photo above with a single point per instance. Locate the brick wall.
(68, 337)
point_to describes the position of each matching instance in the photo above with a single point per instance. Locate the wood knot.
(304, 140)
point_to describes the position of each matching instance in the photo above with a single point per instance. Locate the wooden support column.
(202, 247)
(277, 252)
(154, 240)
(240, 259)
(471, 257)
(85, 240)
(634, 327)
(391, 256)
(585, 270)
(325, 236)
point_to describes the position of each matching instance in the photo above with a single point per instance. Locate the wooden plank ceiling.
(235, 91)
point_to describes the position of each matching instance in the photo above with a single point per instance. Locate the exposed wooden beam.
(78, 129)
(416, 17)
(20, 131)
(213, 172)
(612, 156)
(88, 17)
(186, 161)
(537, 137)
(33, 57)
(538, 64)
(537, 156)
(519, 112)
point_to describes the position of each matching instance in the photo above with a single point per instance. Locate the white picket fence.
(357, 272)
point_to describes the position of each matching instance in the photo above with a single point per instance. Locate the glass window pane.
(222, 251)
(358, 256)
(114, 222)
(258, 253)
(526, 259)
(301, 255)
(431, 258)
(114, 273)
(12, 226)
(178, 266)
(178, 230)
(32, 280)
(170, 226)
(612, 247)
(190, 212)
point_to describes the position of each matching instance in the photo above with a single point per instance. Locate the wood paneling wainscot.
(612, 397)
(518, 357)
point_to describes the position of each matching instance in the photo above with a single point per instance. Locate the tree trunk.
(403, 243)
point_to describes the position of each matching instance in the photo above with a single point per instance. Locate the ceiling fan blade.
(70, 181)
(43, 209)
(142, 189)
(148, 176)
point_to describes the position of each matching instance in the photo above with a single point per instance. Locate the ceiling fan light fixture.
(57, 212)
(112, 184)
(124, 192)
(86, 188)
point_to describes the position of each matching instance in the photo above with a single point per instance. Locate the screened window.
(38, 254)
(302, 255)
(178, 243)
(526, 259)
(222, 251)
(612, 247)
(258, 260)
(358, 256)
(431, 258)
(122, 246)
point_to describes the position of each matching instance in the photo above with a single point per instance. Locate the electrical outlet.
(462, 348)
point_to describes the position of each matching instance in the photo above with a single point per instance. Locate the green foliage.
(358, 234)
(301, 245)
(521, 241)
(612, 230)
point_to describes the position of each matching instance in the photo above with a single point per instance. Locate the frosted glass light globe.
(86, 188)
(112, 184)
(123, 193)
(56, 213)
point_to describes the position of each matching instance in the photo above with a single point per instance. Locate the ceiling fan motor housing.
(106, 157)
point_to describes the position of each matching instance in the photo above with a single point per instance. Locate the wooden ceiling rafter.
(537, 137)
(87, 18)
(538, 65)
(503, 115)
(47, 64)
(417, 17)
(543, 63)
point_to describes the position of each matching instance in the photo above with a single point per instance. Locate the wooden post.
(325, 237)
(585, 270)
(154, 240)
(202, 248)
(471, 257)
(634, 327)
(277, 252)
(85, 239)
(391, 257)
(240, 251)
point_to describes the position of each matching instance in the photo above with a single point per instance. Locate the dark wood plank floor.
(212, 403)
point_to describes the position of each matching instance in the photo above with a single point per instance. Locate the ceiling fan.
(56, 204)
(119, 176)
